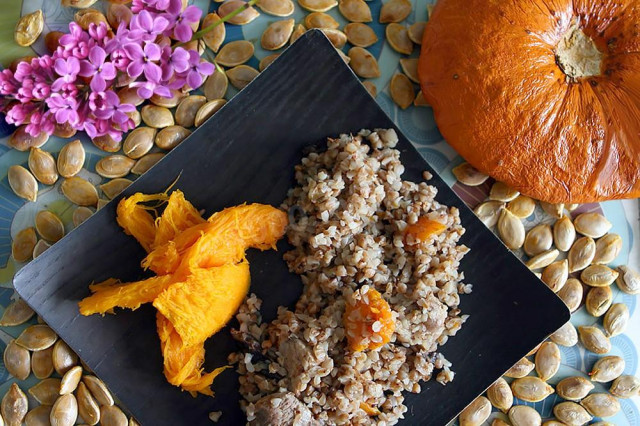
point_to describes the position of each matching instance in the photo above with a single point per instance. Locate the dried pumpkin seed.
(70, 380)
(321, 20)
(111, 415)
(14, 406)
(64, 131)
(402, 91)
(139, 142)
(395, 11)
(398, 38)
(520, 369)
(592, 225)
(40, 247)
(598, 300)
(114, 187)
(567, 335)
(542, 260)
(420, 100)
(277, 7)
(336, 37)
(87, 406)
(188, 108)
(500, 395)
(538, 239)
(101, 203)
(37, 337)
(510, 229)
(80, 191)
(531, 389)
(240, 77)
(625, 387)
(522, 415)
(216, 85)
(234, 53)
(277, 34)
(49, 226)
(553, 210)
(355, 10)
(570, 413)
(42, 363)
(214, 38)
(114, 166)
(71, 159)
(318, 5)
(360, 35)
(594, 339)
(601, 405)
(81, 214)
(489, 212)
(581, 254)
(21, 140)
(534, 350)
(616, 319)
(64, 411)
(468, 175)
(17, 361)
(46, 391)
(242, 18)
(43, 166)
(371, 88)
(607, 248)
(107, 144)
(17, 313)
(29, 28)
(476, 413)
(38, 416)
(416, 31)
(161, 101)
(522, 206)
(129, 95)
(500, 191)
(548, 360)
(23, 245)
(564, 233)
(117, 13)
(98, 390)
(85, 18)
(571, 294)
(574, 388)
(363, 63)
(156, 116)
(264, 63)
(598, 276)
(170, 137)
(22, 182)
(607, 369)
(207, 110)
(63, 358)
(297, 33)
(146, 162)
(628, 280)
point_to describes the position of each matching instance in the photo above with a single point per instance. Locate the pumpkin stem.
(577, 54)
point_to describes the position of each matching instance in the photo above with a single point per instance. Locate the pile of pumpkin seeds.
(571, 257)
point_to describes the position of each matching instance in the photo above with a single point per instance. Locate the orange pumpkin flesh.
(542, 95)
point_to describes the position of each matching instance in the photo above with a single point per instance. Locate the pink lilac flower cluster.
(75, 85)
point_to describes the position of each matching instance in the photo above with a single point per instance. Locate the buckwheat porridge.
(378, 257)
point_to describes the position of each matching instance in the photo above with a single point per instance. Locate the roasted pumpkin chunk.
(422, 230)
(368, 320)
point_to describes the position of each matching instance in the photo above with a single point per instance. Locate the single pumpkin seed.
(468, 175)
(40, 247)
(240, 77)
(207, 110)
(355, 10)
(395, 11)
(118, 13)
(344, 57)
(598, 276)
(571, 207)
(420, 100)
(594, 339)
(567, 335)
(21, 140)
(553, 210)
(139, 142)
(16, 313)
(166, 102)
(43, 166)
(538, 239)
(52, 40)
(522, 415)
(29, 28)
(416, 31)
(71, 159)
(101, 203)
(570, 413)
(607, 249)
(64, 411)
(234, 53)
(360, 34)
(598, 300)
(216, 85)
(616, 319)
(80, 191)
(64, 130)
(500, 191)
(22, 182)
(84, 18)
(500, 395)
(14, 406)
(49, 226)
(522, 206)
(114, 187)
(297, 33)
(574, 388)
(475, 413)
(581, 254)
(111, 415)
(87, 406)
(98, 390)
(371, 88)
(106, 143)
(531, 389)
(46, 391)
(318, 5)
(564, 233)
(277, 34)
(607, 369)
(188, 108)
(37, 337)
(592, 225)
(17, 361)
(398, 38)
(129, 95)
(571, 294)
(534, 350)
(363, 63)
(70, 380)
(81, 214)
(520, 369)
(601, 405)
(628, 280)
(156, 116)
(548, 360)
(321, 20)
(214, 38)
(401, 90)
(23, 245)
(172, 136)
(336, 37)
(133, 422)
(277, 7)
(114, 166)
(42, 363)
(264, 63)
(242, 18)
(489, 212)
(542, 260)
(63, 358)
(38, 416)
(146, 162)
(510, 229)
(197, 45)
(625, 387)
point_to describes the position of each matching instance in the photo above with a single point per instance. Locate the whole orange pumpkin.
(541, 94)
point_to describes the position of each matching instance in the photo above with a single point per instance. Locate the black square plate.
(246, 153)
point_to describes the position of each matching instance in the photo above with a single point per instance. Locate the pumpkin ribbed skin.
(489, 70)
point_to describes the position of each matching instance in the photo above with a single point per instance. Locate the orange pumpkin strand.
(178, 215)
(136, 220)
(423, 229)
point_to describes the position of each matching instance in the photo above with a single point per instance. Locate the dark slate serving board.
(246, 153)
